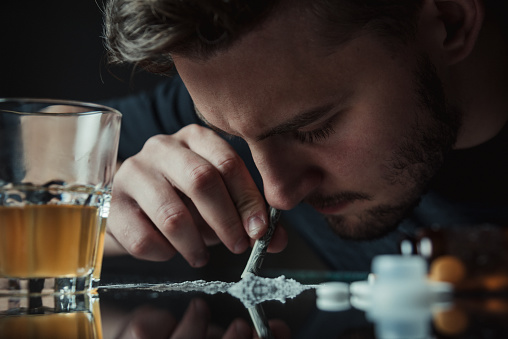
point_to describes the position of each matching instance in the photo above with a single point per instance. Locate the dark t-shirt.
(471, 187)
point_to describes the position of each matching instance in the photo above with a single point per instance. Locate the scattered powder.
(251, 290)
(209, 287)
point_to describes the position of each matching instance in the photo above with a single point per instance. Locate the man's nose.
(287, 177)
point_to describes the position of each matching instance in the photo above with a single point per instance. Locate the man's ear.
(463, 20)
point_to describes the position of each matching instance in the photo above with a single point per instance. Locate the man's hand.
(185, 191)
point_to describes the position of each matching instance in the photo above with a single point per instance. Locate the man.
(381, 116)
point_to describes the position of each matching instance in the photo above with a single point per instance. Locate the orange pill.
(448, 269)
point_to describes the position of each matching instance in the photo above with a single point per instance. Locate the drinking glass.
(57, 161)
(50, 316)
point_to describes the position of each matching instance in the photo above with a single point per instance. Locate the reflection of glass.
(63, 316)
(57, 160)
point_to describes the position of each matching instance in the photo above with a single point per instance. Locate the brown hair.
(147, 32)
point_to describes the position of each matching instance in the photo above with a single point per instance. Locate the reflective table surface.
(128, 306)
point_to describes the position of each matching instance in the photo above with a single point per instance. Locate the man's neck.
(479, 88)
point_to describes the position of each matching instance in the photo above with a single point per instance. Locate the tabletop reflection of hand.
(154, 323)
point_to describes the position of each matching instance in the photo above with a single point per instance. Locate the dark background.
(54, 49)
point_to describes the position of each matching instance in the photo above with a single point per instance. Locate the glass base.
(50, 316)
(45, 286)
(44, 304)
(95, 283)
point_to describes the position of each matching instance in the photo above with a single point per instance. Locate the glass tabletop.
(139, 305)
(139, 299)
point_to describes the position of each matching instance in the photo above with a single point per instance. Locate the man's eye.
(316, 135)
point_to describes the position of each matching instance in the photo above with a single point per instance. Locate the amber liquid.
(59, 325)
(39, 241)
(100, 251)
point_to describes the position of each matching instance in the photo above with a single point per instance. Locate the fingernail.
(202, 260)
(241, 245)
(256, 226)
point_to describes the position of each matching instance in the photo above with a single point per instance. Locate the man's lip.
(332, 209)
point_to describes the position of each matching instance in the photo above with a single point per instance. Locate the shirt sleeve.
(163, 110)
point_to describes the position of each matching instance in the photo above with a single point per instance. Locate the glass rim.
(97, 108)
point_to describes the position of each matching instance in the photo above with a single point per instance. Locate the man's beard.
(418, 157)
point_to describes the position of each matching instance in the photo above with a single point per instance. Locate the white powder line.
(209, 287)
(251, 290)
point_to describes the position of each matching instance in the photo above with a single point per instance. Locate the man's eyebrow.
(300, 120)
(214, 128)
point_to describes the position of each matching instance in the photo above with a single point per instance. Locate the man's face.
(356, 132)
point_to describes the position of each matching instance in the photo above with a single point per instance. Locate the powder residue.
(251, 290)
(209, 287)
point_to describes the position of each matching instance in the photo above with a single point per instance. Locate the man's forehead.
(227, 122)
(270, 73)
